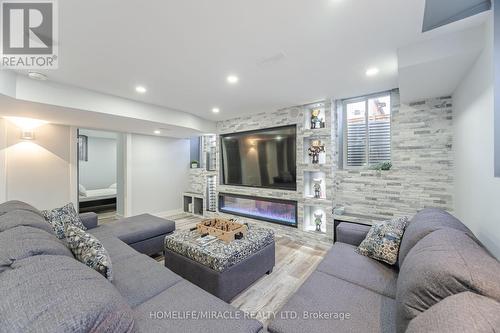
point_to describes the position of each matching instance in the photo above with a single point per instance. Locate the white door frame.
(73, 166)
(74, 177)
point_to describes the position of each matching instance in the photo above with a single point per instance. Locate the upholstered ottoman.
(224, 270)
(145, 233)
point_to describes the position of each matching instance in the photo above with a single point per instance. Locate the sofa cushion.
(59, 218)
(351, 233)
(59, 294)
(12, 205)
(140, 278)
(16, 218)
(23, 242)
(464, 312)
(343, 262)
(116, 248)
(351, 308)
(88, 250)
(184, 299)
(444, 263)
(383, 239)
(422, 224)
(138, 228)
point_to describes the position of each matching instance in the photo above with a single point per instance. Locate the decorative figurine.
(316, 148)
(318, 220)
(316, 121)
(317, 187)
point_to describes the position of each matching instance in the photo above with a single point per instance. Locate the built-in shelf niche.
(309, 218)
(212, 193)
(193, 203)
(322, 156)
(309, 180)
(320, 108)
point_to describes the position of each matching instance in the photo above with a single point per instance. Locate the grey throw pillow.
(383, 240)
(59, 218)
(88, 250)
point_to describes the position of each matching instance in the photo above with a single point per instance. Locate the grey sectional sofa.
(445, 281)
(44, 289)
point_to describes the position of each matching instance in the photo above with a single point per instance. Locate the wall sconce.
(27, 126)
(27, 134)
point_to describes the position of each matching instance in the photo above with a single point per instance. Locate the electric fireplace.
(265, 209)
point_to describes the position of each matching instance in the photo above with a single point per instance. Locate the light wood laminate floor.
(296, 259)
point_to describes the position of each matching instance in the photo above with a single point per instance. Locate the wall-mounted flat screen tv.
(263, 158)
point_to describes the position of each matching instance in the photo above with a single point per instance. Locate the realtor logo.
(29, 34)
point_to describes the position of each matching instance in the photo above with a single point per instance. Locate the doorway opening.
(98, 173)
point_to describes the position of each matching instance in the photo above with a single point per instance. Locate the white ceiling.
(285, 52)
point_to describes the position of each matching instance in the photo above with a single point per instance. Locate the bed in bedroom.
(98, 199)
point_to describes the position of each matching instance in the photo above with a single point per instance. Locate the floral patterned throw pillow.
(60, 217)
(88, 250)
(383, 240)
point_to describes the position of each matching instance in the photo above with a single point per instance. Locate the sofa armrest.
(351, 233)
(89, 220)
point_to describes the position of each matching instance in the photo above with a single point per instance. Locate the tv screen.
(263, 158)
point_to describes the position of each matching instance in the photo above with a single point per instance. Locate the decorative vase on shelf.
(315, 149)
(318, 220)
(317, 187)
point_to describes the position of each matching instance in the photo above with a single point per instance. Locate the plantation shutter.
(356, 134)
(368, 131)
(379, 130)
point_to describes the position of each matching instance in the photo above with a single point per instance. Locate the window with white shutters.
(367, 130)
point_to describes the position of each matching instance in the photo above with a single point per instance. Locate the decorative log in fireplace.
(265, 209)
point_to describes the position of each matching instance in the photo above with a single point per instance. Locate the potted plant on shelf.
(384, 166)
(194, 164)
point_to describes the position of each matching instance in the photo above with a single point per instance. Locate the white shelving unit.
(193, 203)
(212, 193)
(309, 205)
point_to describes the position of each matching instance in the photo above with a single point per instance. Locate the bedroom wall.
(157, 172)
(476, 189)
(38, 171)
(100, 169)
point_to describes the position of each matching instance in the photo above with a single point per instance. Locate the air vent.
(271, 60)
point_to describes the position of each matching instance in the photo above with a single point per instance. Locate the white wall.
(477, 192)
(100, 169)
(496, 7)
(3, 146)
(158, 173)
(38, 171)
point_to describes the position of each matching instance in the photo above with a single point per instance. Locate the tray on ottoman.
(222, 269)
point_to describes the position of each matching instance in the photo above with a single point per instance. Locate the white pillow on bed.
(113, 186)
(82, 190)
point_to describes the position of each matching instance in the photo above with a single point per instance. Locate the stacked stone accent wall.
(422, 159)
(421, 175)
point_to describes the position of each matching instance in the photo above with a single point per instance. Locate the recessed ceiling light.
(37, 76)
(140, 89)
(157, 132)
(215, 110)
(232, 79)
(372, 71)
